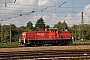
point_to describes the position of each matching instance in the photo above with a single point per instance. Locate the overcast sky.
(52, 11)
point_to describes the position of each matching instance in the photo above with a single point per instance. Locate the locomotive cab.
(53, 32)
(51, 29)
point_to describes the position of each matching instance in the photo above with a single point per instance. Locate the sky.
(19, 12)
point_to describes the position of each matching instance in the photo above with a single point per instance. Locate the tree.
(29, 25)
(40, 24)
(47, 26)
(59, 26)
(64, 25)
(5, 33)
(20, 30)
(0, 33)
(14, 33)
(76, 31)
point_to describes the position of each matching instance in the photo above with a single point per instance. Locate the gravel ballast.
(76, 47)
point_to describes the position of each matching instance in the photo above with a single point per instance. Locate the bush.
(10, 44)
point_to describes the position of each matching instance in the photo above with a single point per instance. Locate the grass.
(79, 42)
(10, 44)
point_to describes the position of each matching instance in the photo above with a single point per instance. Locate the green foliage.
(10, 44)
(40, 24)
(14, 33)
(76, 31)
(61, 26)
(58, 25)
(64, 25)
(20, 30)
(79, 42)
(47, 26)
(5, 33)
(29, 26)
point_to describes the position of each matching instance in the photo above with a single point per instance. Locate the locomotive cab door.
(53, 32)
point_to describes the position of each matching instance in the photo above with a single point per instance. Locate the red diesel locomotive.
(49, 36)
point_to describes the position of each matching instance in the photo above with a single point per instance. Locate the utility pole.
(10, 32)
(1, 32)
(79, 32)
(82, 27)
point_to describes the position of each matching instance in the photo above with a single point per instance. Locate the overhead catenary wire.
(14, 1)
(5, 10)
(64, 3)
(43, 9)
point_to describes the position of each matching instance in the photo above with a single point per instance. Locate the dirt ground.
(76, 47)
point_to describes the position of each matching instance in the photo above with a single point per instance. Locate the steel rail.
(60, 54)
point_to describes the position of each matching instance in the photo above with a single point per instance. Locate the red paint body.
(50, 34)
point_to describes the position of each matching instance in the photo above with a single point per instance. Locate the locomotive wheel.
(67, 43)
(54, 44)
(61, 42)
(28, 45)
(39, 44)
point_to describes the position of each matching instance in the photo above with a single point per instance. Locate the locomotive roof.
(53, 28)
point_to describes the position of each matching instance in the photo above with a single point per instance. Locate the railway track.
(46, 55)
